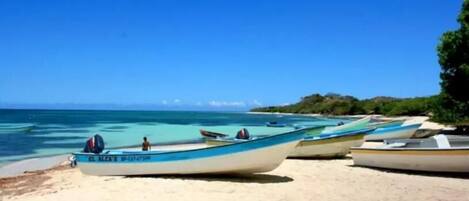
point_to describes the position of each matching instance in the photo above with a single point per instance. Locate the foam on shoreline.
(32, 164)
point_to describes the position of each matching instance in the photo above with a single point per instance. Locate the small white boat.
(437, 154)
(253, 156)
(385, 124)
(329, 146)
(354, 125)
(394, 132)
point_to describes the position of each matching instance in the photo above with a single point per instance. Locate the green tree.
(453, 53)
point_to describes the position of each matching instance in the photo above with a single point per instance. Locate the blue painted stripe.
(394, 128)
(338, 134)
(158, 156)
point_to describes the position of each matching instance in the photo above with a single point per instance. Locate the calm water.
(33, 133)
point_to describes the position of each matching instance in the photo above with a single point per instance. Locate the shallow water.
(34, 133)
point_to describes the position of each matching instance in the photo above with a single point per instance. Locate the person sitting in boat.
(146, 145)
(243, 134)
(340, 123)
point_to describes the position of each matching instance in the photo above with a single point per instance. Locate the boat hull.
(387, 124)
(433, 160)
(254, 156)
(355, 125)
(333, 147)
(398, 132)
(209, 134)
(327, 148)
(256, 161)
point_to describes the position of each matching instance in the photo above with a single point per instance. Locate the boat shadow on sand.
(456, 175)
(236, 178)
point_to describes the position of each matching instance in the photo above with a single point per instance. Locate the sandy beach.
(294, 180)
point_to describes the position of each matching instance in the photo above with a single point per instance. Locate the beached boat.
(210, 134)
(354, 125)
(395, 132)
(329, 145)
(275, 124)
(437, 154)
(386, 124)
(310, 131)
(253, 156)
(335, 144)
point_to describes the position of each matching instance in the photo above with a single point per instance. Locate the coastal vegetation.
(453, 56)
(336, 104)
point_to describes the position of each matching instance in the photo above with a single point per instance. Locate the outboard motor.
(94, 144)
(243, 134)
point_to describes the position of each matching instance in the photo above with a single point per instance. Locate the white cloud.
(164, 102)
(256, 103)
(284, 104)
(176, 101)
(199, 103)
(227, 103)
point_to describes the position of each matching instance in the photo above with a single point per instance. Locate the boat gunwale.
(327, 136)
(336, 139)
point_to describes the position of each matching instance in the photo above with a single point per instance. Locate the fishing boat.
(310, 131)
(394, 132)
(253, 156)
(386, 124)
(329, 145)
(440, 153)
(315, 146)
(210, 134)
(275, 124)
(354, 125)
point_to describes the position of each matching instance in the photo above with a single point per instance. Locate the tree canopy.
(453, 54)
(335, 104)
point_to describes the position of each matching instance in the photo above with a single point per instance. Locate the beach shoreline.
(335, 179)
(52, 178)
(17, 168)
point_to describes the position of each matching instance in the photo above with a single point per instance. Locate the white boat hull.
(395, 134)
(327, 149)
(354, 125)
(448, 160)
(252, 161)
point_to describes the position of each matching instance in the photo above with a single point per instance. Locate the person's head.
(144, 138)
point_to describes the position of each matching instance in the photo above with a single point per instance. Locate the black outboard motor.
(243, 134)
(94, 144)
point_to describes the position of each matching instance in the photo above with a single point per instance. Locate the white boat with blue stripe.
(253, 156)
(393, 132)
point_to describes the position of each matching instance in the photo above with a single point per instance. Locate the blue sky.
(217, 54)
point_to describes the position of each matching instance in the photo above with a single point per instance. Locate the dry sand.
(293, 180)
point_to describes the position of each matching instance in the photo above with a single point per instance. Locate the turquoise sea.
(35, 133)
